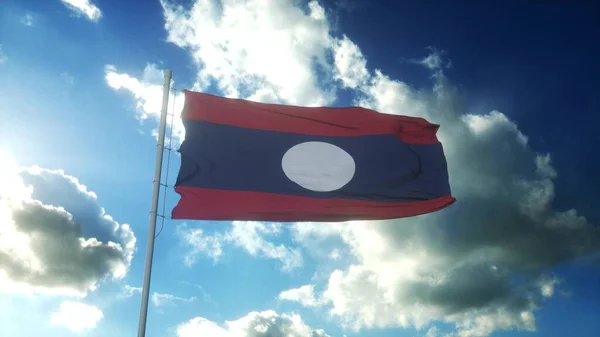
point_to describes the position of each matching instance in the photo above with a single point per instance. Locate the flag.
(243, 160)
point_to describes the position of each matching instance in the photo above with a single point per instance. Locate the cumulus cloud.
(248, 235)
(84, 8)
(479, 265)
(76, 316)
(147, 92)
(460, 265)
(255, 324)
(54, 237)
(265, 51)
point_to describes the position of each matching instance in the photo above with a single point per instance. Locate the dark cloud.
(56, 188)
(483, 264)
(67, 243)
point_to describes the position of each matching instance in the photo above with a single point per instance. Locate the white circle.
(318, 166)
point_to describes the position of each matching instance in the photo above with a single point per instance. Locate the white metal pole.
(154, 207)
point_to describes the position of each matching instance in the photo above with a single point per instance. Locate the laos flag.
(243, 160)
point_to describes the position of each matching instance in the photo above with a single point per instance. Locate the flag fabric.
(243, 160)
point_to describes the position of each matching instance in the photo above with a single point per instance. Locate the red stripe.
(318, 121)
(219, 205)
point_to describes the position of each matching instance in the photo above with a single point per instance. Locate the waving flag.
(243, 160)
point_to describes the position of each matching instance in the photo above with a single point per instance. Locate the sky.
(513, 85)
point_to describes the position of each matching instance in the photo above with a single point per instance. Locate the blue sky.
(513, 86)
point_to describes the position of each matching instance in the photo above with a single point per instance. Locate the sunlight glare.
(12, 186)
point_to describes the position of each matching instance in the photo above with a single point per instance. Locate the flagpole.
(154, 207)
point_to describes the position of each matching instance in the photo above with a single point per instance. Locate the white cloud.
(248, 235)
(157, 299)
(335, 254)
(266, 51)
(305, 295)
(432, 332)
(76, 316)
(85, 8)
(27, 20)
(160, 300)
(305, 231)
(54, 237)
(350, 66)
(199, 244)
(147, 93)
(255, 324)
(435, 60)
(128, 290)
(548, 286)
